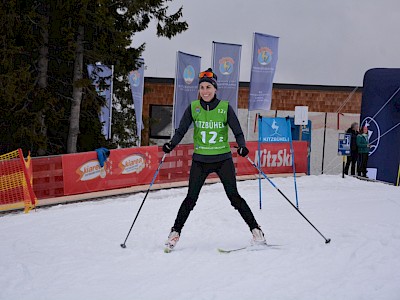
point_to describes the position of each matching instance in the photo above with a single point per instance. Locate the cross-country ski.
(249, 248)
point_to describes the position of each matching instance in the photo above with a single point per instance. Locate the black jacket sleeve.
(353, 140)
(184, 125)
(234, 124)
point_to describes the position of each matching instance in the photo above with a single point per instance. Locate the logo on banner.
(274, 130)
(374, 133)
(281, 158)
(189, 74)
(264, 56)
(226, 65)
(135, 76)
(132, 164)
(91, 170)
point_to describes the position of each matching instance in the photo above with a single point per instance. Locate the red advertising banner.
(123, 168)
(275, 158)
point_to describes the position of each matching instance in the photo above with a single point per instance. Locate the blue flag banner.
(102, 78)
(186, 83)
(274, 130)
(380, 112)
(136, 81)
(265, 57)
(226, 65)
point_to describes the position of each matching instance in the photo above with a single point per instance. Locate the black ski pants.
(352, 159)
(226, 172)
(362, 164)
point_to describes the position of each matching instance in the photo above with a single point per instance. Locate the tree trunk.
(43, 69)
(43, 56)
(76, 94)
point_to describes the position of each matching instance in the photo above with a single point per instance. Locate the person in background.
(212, 154)
(352, 158)
(363, 151)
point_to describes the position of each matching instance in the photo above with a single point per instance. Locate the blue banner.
(301, 133)
(102, 77)
(136, 81)
(380, 112)
(265, 57)
(226, 64)
(274, 130)
(186, 83)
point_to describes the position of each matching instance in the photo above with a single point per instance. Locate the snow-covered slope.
(73, 251)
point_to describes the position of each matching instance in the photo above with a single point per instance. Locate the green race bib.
(210, 129)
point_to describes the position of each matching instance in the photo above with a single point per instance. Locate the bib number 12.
(211, 140)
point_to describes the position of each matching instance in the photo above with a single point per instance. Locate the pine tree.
(113, 36)
(19, 125)
(49, 105)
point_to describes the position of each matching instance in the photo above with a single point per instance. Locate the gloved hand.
(167, 147)
(243, 151)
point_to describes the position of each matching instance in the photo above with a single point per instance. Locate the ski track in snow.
(73, 251)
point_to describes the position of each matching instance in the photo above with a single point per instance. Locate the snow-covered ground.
(73, 251)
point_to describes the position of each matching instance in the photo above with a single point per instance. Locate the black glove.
(167, 148)
(243, 151)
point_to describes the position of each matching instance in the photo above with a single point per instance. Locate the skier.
(212, 153)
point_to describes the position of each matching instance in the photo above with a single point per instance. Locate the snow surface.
(73, 251)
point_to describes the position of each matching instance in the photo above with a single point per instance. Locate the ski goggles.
(207, 74)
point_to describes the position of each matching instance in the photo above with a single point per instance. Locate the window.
(160, 121)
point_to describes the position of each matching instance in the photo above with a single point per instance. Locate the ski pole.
(270, 181)
(144, 199)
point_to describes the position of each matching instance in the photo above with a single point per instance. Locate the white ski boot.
(173, 239)
(258, 237)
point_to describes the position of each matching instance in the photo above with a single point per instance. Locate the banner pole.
(174, 100)
(248, 101)
(141, 113)
(248, 124)
(323, 145)
(398, 176)
(343, 165)
(293, 160)
(259, 159)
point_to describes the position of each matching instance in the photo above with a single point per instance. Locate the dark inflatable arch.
(380, 112)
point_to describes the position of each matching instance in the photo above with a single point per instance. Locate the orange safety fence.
(16, 190)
